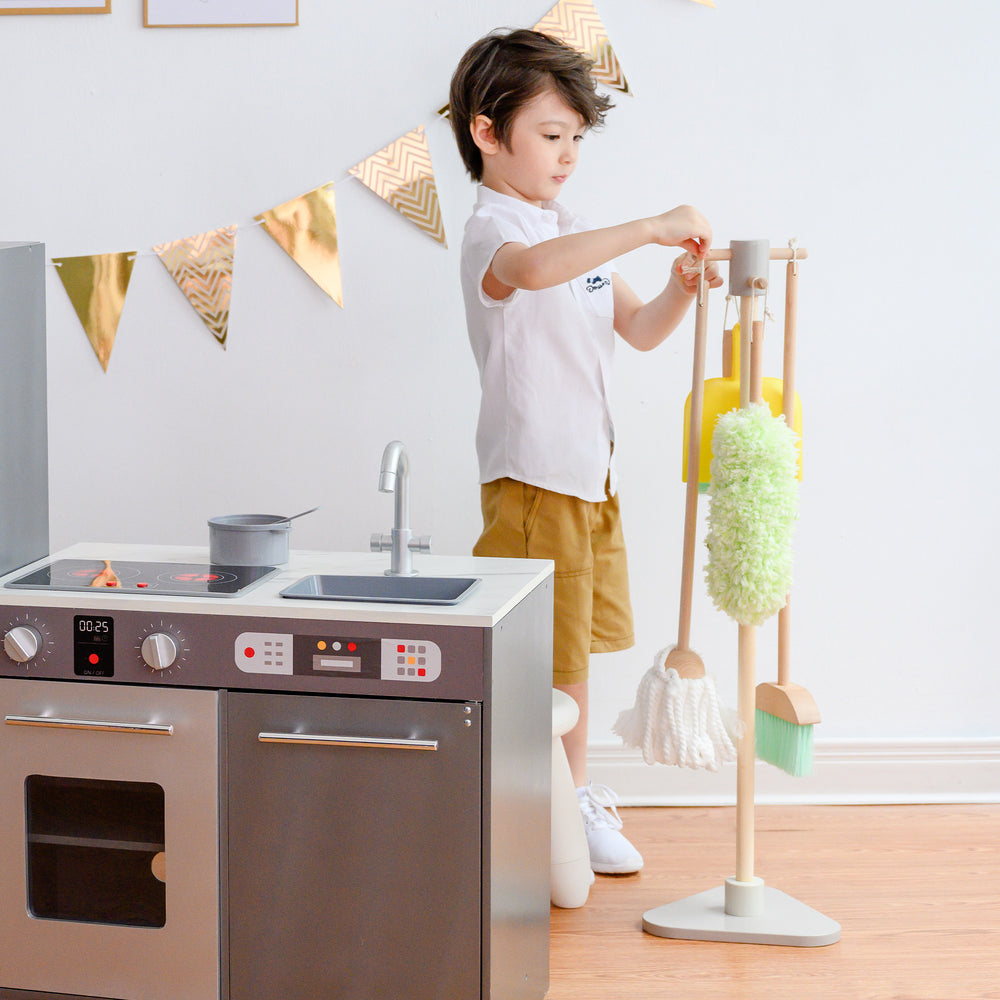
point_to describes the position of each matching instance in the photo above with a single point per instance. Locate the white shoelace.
(597, 804)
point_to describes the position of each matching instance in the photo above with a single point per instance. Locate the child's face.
(543, 146)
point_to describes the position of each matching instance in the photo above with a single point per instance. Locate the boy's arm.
(566, 257)
(646, 325)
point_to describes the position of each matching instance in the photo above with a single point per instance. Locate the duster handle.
(757, 363)
(694, 461)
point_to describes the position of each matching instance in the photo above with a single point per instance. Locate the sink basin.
(383, 589)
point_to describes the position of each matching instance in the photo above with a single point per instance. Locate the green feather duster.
(754, 505)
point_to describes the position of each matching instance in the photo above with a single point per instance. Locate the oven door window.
(95, 850)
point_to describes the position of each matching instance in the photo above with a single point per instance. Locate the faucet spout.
(394, 477)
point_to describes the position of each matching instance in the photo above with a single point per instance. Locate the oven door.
(109, 834)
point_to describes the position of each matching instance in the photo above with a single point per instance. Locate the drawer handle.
(44, 722)
(369, 742)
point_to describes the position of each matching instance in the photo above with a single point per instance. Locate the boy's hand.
(685, 270)
(683, 227)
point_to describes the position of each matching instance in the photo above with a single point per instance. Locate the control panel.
(387, 659)
(235, 651)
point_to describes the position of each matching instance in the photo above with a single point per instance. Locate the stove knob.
(22, 643)
(159, 650)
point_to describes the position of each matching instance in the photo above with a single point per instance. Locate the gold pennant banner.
(97, 286)
(578, 24)
(202, 266)
(706, 3)
(402, 175)
(306, 229)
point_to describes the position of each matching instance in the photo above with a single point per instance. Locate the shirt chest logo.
(597, 282)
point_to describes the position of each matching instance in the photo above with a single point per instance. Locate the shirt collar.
(549, 211)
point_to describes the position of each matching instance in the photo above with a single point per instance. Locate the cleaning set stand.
(744, 909)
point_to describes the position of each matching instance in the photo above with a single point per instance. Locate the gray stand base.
(784, 920)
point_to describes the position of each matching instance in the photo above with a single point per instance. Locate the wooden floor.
(916, 890)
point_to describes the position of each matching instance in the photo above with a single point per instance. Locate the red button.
(249, 652)
(352, 646)
(400, 649)
(421, 672)
(94, 658)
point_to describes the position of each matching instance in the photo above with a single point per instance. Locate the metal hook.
(793, 246)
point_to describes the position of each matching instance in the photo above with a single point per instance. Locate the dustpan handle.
(694, 461)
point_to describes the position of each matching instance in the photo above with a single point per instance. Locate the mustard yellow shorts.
(593, 613)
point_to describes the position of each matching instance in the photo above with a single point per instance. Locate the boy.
(543, 301)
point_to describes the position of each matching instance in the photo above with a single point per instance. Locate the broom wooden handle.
(695, 416)
(788, 408)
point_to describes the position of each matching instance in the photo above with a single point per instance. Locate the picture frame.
(219, 13)
(55, 7)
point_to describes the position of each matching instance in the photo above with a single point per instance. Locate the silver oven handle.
(370, 742)
(44, 722)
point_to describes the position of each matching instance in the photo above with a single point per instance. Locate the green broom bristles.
(784, 744)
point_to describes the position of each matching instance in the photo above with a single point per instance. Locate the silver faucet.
(394, 477)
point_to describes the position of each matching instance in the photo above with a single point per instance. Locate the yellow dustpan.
(722, 395)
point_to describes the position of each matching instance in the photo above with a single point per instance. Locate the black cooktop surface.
(173, 579)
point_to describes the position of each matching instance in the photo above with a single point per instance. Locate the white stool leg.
(571, 875)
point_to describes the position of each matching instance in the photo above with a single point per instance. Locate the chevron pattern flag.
(202, 266)
(306, 229)
(97, 286)
(402, 175)
(578, 24)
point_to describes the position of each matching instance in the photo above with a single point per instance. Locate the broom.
(677, 718)
(786, 713)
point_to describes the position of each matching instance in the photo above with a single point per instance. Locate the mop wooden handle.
(694, 462)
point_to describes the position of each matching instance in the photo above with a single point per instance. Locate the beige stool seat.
(571, 875)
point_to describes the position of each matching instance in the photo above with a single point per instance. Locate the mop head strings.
(754, 500)
(678, 720)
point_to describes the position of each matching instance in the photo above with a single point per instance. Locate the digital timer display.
(93, 646)
(93, 626)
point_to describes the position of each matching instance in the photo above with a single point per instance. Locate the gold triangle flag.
(97, 286)
(402, 175)
(706, 3)
(306, 229)
(577, 23)
(202, 266)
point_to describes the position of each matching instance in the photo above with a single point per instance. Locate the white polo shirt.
(544, 358)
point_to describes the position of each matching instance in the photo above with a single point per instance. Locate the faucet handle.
(380, 542)
(420, 544)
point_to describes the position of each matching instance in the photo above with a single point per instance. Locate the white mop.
(677, 718)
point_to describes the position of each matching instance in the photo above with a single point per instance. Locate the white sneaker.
(610, 851)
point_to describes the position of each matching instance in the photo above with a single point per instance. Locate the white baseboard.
(845, 772)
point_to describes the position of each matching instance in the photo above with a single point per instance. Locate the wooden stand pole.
(747, 679)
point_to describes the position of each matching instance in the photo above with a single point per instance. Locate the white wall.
(865, 130)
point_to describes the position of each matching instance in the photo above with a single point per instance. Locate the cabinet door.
(354, 866)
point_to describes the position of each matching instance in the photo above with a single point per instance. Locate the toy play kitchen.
(314, 780)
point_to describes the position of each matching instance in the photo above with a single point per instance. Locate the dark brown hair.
(503, 71)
